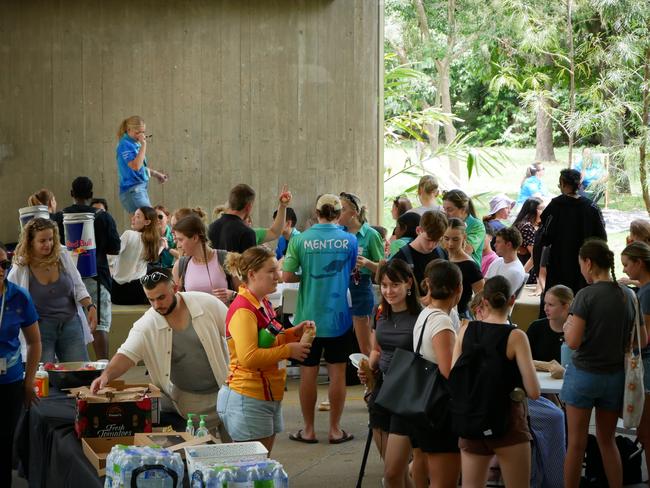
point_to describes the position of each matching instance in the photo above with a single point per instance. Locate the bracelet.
(92, 305)
(233, 296)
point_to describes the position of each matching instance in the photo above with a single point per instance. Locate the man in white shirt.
(507, 264)
(181, 340)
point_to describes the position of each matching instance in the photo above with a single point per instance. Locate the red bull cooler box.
(80, 241)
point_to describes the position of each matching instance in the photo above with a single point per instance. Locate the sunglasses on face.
(5, 264)
(153, 278)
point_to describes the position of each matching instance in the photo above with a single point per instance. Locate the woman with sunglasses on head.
(396, 316)
(166, 258)
(371, 251)
(43, 268)
(250, 403)
(201, 268)
(140, 247)
(455, 203)
(17, 314)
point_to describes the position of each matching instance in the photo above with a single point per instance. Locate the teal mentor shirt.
(326, 254)
(475, 236)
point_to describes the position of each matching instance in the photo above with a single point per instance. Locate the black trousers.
(11, 405)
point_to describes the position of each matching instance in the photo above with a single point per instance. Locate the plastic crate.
(224, 453)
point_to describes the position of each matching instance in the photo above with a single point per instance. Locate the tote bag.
(414, 387)
(634, 394)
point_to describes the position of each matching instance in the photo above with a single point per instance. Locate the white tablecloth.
(548, 384)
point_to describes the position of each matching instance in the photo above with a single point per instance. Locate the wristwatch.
(92, 305)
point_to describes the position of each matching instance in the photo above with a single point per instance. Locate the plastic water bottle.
(280, 477)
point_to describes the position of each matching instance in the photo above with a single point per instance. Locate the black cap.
(82, 187)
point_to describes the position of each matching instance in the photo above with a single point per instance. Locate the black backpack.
(595, 472)
(480, 384)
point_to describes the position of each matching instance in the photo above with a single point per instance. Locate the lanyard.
(2, 307)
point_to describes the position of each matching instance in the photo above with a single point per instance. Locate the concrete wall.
(256, 91)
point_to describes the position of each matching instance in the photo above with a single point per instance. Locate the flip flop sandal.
(299, 438)
(344, 438)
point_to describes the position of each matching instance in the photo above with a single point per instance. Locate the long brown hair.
(23, 252)
(399, 271)
(41, 197)
(150, 235)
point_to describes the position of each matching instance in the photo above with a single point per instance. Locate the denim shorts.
(363, 298)
(584, 389)
(135, 197)
(63, 338)
(247, 418)
(103, 305)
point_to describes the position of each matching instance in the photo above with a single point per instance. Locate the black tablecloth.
(48, 449)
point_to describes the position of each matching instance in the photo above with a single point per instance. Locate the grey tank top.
(190, 368)
(54, 301)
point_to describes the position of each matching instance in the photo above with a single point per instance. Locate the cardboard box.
(96, 450)
(173, 441)
(119, 410)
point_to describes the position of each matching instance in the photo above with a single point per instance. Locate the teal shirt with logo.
(326, 255)
(370, 244)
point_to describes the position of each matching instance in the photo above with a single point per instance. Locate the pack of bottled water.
(245, 474)
(153, 467)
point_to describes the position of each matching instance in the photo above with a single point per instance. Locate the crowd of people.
(447, 279)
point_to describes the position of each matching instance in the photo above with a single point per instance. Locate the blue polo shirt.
(127, 150)
(281, 248)
(19, 312)
(531, 187)
(326, 254)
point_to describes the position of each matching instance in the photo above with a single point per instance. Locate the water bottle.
(266, 337)
(566, 355)
(280, 477)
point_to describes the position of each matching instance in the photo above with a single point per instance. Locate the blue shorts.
(246, 418)
(363, 298)
(135, 197)
(584, 389)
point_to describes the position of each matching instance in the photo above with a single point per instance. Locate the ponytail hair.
(443, 278)
(252, 259)
(41, 197)
(360, 208)
(129, 123)
(497, 292)
(150, 235)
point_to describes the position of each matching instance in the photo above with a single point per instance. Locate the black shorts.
(383, 419)
(337, 349)
(430, 440)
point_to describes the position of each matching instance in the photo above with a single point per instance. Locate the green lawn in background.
(482, 186)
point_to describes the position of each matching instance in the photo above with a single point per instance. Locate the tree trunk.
(544, 134)
(572, 83)
(644, 132)
(445, 98)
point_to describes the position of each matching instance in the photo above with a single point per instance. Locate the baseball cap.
(328, 199)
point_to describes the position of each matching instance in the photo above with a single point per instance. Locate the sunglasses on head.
(153, 278)
(5, 264)
(352, 199)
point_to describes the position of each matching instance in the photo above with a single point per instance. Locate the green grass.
(482, 186)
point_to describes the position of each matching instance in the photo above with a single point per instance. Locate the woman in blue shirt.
(17, 313)
(132, 167)
(532, 185)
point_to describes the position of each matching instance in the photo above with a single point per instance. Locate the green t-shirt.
(398, 244)
(371, 245)
(260, 235)
(475, 236)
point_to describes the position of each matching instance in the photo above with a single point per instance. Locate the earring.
(409, 292)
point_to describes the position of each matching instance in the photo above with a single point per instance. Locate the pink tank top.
(197, 277)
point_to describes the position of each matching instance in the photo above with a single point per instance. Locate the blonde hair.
(562, 293)
(41, 197)
(129, 123)
(428, 184)
(23, 252)
(181, 213)
(252, 259)
(641, 229)
(218, 211)
(358, 206)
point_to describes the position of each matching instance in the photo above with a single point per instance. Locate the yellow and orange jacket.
(254, 371)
